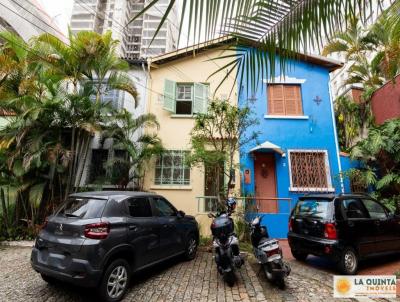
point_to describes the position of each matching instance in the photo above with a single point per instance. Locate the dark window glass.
(82, 208)
(97, 168)
(316, 208)
(139, 207)
(375, 210)
(183, 107)
(163, 207)
(354, 209)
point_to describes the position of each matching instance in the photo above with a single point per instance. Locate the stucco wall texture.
(386, 101)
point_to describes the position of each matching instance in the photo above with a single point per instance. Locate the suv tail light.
(291, 224)
(97, 230)
(330, 231)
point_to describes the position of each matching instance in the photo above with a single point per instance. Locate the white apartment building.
(27, 19)
(135, 37)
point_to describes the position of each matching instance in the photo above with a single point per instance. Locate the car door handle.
(165, 226)
(377, 222)
(351, 223)
(133, 228)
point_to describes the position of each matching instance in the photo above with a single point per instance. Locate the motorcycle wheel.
(281, 283)
(267, 273)
(230, 278)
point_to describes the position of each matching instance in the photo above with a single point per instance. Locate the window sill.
(305, 190)
(171, 187)
(184, 116)
(288, 117)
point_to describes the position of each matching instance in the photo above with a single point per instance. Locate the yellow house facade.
(178, 88)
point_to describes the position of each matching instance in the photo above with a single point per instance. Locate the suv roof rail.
(354, 193)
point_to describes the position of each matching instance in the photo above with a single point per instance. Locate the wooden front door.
(265, 181)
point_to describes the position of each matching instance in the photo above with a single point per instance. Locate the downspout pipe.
(336, 138)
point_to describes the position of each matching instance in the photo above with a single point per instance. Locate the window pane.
(171, 169)
(82, 207)
(318, 208)
(163, 207)
(183, 107)
(354, 209)
(376, 211)
(139, 207)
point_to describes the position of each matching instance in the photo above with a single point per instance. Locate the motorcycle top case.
(222, 226)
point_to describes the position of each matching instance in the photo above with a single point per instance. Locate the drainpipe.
(336, 138)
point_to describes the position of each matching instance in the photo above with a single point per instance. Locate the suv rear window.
(82, 208)
(316, 208)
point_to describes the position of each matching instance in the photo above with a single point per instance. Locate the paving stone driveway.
(196, 280)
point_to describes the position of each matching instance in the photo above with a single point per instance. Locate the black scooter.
(268, 253)
(226, 243)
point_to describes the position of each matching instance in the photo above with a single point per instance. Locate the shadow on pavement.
(90, 294)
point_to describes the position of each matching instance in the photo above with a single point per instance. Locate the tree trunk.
(5, 210)
(85, 152)
(71, 164)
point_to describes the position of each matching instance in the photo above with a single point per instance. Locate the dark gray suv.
(98, 239)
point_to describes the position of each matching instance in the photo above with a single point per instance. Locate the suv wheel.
(191, 247)
(115, 281)
(299, 256)
(348, 263)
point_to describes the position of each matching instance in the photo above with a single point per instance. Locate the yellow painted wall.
(175, 130)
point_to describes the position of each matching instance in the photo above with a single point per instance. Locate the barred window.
(309, 170)
(171, 169)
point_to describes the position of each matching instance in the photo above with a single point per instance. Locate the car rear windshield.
(316, 208)
(82, 208)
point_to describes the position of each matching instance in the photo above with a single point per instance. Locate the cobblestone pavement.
(176, 280)
(305, 284)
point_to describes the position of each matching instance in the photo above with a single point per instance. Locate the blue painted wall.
(348, 164)
(316, 132)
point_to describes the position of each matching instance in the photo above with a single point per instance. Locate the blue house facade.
(297, 149)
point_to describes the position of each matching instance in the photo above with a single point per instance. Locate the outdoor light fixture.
(317, 100)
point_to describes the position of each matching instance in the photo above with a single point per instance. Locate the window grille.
(171, 169)
(309, 171)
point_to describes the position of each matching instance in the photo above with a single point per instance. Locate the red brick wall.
(386, 102)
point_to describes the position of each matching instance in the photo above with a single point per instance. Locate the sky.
(60, 11)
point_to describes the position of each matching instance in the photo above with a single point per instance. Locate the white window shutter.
(200, 98)
(169, 95)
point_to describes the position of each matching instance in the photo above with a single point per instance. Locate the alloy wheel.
(350, 261)
(117, 282)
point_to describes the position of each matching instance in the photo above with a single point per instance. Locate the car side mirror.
(181, 214)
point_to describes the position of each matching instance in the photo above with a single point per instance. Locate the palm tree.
(91, 64)
(355, 41)
(366, 73)
(386, 35)
(285, 26)
(126, 132)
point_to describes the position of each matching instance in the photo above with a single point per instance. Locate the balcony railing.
(271, 205)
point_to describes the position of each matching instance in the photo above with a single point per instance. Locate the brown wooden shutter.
(276, 101)
(284, 100)
(292, 98)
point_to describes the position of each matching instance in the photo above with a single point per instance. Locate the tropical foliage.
(287, 27)
(53, 94)
(217, 137)
(380, 153)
